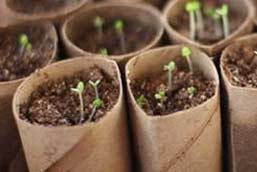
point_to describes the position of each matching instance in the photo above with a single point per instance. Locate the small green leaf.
(192, 6)
(170, 67)
(118, 25)
(186, 52)
(161, 95)
(23, 40)
(95, 84)
(223, 11)
(99, 22)
(79, 89)
(98, 102)
(191, 90)
(141, 100)
(103, 51)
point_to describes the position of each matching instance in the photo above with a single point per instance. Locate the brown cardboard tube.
(98, 147)
(188, 140)
(9, 138)
(54, 15)
(242, 115)
(173, 8)
(74, 25)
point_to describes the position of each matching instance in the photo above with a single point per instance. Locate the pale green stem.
(225, 25)
(192, 26)
(190, 64)
(81, 107)
(200, 23)
(169, 80)
(92, 114)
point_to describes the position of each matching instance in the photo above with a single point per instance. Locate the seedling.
(186, 52)
(223, 12)
(99, 24)
(103, 52)
(119, 28)
(212, 12)
(79, 90)
(194, 8)
(141, 100)
(161, 97)
(191, 91)
(24, 43)
(170, 68)
(97, 101)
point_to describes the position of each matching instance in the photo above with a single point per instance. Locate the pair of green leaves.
(24, 42)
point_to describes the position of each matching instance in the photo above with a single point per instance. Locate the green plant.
(99, 24)
(161, 97)
(186, 52)
(79, 90)
(170, 67)
(97, 102)
(212, 12)
(24, 42)
(141, 100)
(103, 52)
(194, 10)
(223, 12)
(119, 28)
(191, 91)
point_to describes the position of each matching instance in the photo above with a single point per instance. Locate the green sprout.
(97, 101)
(212, 12)
(191, 91)
(103, 52)
(141, 100)
(161, 97)
(24, 43)
(99, 24)
(119, 28)
(170, 67)
(223, 12)
(79, 90)
(186, 52)
(194, 8)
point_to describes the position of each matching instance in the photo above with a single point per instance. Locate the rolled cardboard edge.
(159, 146)
(74, 51)
(106, 138)
(240, 111)
(216, 48)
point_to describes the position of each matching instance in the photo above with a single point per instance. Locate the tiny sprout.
(160, 96)
(186, 52)
(99, 23)
(79, 90)
(98, 102)
(212, 12)
(170, 68)
(119, 28)
(194, 7)
(191, 91)
(223, 12)
(141, 100)
(24, 43)
(103, 52)
(95, 85)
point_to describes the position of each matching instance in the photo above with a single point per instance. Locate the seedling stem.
(170, 68)
(186, 52)
(223, 12)
(79, 90)
(119, 28)
(99, 23)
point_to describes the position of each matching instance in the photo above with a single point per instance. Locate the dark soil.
(37, 6)
(54, 104)
(209, 36)
(240, 65)
(178, 98)
(137, 36)
(16, 63)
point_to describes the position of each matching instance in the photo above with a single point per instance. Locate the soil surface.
(54, 104)
(137, 36)
(15, 62)
(209, 35)
(37, 6)
(178, 98)
(240, 65)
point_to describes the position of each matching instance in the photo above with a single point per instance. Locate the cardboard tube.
(100, 146)
(188, 140)
(175, 7)
(55, 16)
(9, 138)
(76, 24)
(242, 118)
